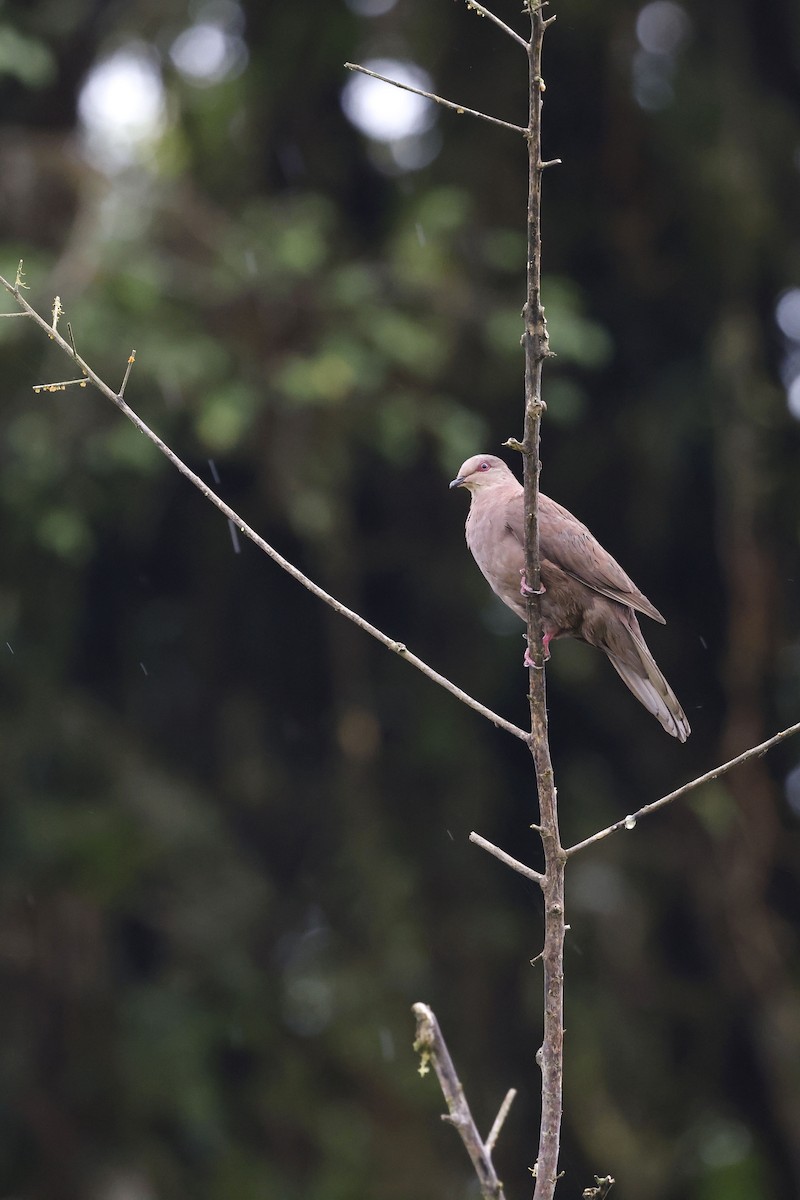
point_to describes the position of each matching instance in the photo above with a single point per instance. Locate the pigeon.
(585, 592)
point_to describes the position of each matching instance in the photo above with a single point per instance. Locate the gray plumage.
(586, 594)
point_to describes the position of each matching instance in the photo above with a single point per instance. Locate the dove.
(585, 592)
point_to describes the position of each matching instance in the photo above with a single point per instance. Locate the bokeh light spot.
(121, 107)
(787, 313)
(662, 26)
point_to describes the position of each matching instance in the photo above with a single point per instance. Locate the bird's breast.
(498, 554)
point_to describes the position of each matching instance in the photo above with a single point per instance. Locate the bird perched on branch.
(585, 593)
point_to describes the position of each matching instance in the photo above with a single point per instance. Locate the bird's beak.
(457, 482)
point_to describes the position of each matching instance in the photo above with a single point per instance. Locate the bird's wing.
(566, 542)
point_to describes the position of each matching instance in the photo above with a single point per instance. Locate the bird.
(585, 593)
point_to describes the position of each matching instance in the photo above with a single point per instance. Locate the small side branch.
(126, 376)
(500, 1119)
(630, 821)
(600, 1190)
(514, 863)
(243, 527)
(461, 109)
(484, 12)
(60, 386)
(431, 1047)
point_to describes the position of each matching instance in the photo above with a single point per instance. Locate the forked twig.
(432, 1048)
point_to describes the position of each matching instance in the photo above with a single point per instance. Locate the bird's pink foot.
(529, 591)
(528, 661)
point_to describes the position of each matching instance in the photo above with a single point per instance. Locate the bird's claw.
(528, 661)
(529, 591)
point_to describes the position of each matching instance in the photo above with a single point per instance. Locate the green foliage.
(25, 59)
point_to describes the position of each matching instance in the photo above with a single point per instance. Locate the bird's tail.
(649, 686)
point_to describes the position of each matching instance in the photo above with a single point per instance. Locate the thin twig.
(514, 863)
(244, 528)
(126, 376)
(461, 109)
(500, 1119)
(62, 385)
(484, 12)
(630, 821)
(430, 1044)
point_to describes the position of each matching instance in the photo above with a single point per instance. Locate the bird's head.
(482, 471)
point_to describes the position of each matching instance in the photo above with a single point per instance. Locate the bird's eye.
(484, 466)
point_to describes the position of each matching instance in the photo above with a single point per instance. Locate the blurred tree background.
(235, 828)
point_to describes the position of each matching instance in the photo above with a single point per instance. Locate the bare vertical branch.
(535, 344)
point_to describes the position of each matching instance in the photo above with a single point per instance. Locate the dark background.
(234, 835)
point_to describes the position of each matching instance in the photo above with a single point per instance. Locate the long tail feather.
(651, 688)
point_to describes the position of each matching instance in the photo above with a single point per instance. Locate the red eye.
(484, 466)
